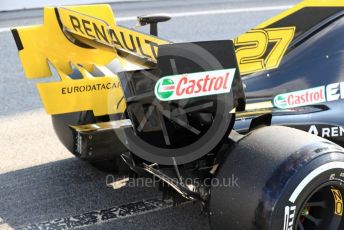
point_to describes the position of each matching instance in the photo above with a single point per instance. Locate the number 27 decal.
(262, 49)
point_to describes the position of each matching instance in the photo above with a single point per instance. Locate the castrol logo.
(193, 85)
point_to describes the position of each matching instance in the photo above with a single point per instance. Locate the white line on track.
(4, 30)
(214, 12)
(204, 13)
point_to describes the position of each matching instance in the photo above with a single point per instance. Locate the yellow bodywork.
(87, 38)
(253, 57)
(47, 44)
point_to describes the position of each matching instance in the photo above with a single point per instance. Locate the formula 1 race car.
(221, 122)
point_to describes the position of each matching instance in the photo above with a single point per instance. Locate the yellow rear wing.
(72, 40)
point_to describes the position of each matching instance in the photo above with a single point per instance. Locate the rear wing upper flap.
(104, 30)
(48, 43)
(70, 35)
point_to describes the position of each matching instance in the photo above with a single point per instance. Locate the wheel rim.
(323, 209)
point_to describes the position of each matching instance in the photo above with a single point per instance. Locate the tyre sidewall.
(286, 209)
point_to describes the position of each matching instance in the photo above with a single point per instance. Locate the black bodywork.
(316, 61)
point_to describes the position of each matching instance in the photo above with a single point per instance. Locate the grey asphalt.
(39, 179)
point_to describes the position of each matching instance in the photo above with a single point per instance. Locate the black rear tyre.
(287, 179)
(106, 161)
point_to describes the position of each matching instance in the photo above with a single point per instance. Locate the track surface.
(42, 185)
